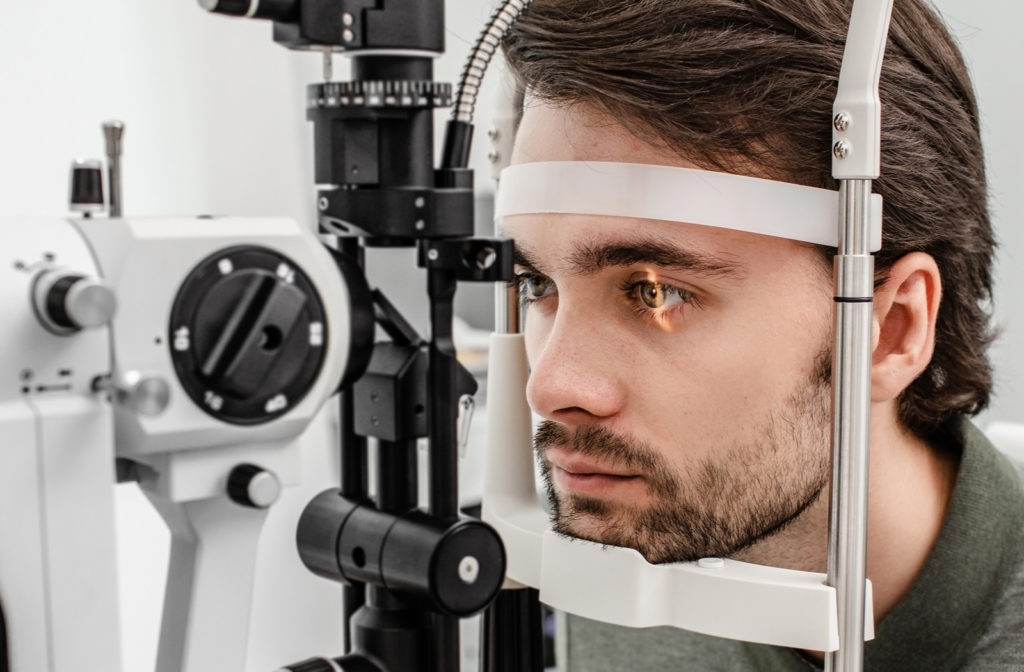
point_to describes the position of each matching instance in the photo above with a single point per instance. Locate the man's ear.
(904, 324)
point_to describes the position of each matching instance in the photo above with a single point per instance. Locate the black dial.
(248, 335)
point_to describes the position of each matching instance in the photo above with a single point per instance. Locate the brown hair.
(734, 83)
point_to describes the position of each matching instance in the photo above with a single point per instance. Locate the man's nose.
(578, 372)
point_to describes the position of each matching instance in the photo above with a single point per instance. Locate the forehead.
(580, 132)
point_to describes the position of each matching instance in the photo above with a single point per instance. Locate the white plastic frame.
(670, 193)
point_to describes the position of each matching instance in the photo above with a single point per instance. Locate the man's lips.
(584, 475)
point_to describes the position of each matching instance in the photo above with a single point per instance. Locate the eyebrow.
(591, 258)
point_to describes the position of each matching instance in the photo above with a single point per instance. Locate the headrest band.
(669, 193)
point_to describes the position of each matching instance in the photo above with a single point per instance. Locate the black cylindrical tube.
(454, 569)
(447, 655)
(319, 530)
(383, 67)
(512, 635)
(458, 138)
(444, 482)
(393, 633)
(406, 140)
(397, 482)
(353, 451)
(353, 458)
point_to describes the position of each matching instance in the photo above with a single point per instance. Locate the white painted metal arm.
(208, 600)
(857, 110)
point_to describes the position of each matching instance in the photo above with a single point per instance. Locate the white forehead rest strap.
(646, 191)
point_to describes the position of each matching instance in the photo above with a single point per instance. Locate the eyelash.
(630, 288)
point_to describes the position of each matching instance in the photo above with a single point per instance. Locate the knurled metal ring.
(387, 93)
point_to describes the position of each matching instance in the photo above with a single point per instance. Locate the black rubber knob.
(86, 188)
(253, 486)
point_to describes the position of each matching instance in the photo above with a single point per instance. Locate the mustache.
(602, 443)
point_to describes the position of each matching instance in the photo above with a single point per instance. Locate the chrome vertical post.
(856, 152)
(847, 551)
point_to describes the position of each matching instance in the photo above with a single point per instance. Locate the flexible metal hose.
(476, 65)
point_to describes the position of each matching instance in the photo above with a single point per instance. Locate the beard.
(719, 505)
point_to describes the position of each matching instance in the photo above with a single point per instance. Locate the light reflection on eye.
(656, 295)
(533, 286)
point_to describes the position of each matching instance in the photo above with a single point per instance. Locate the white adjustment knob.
(144, 394)
(67, 302)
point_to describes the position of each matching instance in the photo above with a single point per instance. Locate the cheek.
(536, 330)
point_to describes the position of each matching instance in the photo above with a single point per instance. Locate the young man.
(683, 371)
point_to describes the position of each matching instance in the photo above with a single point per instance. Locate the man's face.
(682, 370)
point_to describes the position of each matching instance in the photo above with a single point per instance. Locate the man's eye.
(655, 295)
(533, 287)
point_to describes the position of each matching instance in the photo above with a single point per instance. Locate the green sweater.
(965, 611)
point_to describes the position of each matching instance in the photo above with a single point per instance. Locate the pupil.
(652, 295)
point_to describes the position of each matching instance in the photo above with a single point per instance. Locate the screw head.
(841, 149)
(493, 133)
(493, 156)
(842, 121)
(322, 203)
(420, 202)
(432, 255)
(348, 35)
(347, 19)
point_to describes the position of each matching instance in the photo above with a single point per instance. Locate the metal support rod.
(847, 549)
(113, 132)
(506, 308)
(444, 499)
(444, 480)
(354, 474)
(397, 482)
(512, 635)
(511, 638)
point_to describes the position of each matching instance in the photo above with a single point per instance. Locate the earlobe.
(906, 306)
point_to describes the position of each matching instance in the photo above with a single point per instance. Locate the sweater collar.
(938, 622)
